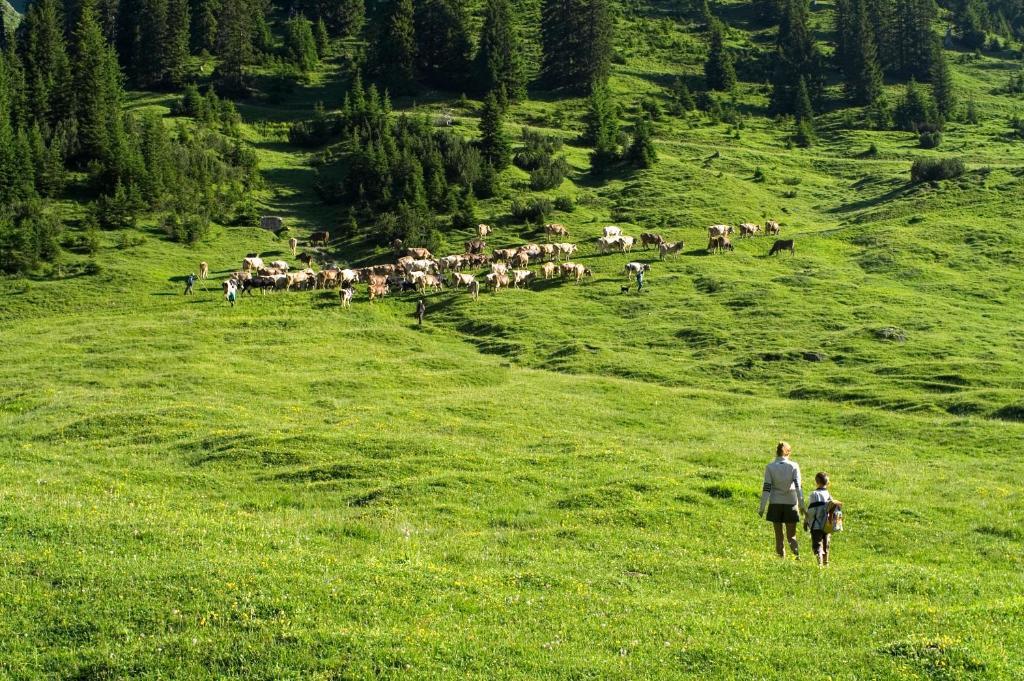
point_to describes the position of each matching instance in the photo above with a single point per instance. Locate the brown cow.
(319, 238)
(204, 270)
(651, 239)
(419, 253)
(378, 291)
(749, 229)
(719, 230)
(772, 227)
(474, 289)
(548, 269)
(476, 246)
(555, 229)
(783, 245)
(718, 244)
(666, 247)
(521, 259)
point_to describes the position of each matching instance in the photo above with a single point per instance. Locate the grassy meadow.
(559, 482)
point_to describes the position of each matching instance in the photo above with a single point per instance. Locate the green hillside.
(557, 482)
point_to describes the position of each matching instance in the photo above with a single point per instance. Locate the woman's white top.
(782, 484)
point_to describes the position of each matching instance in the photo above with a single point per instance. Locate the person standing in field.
(784, 498)
(190, 281)
(814, 520)
(421, 311)
(639, 280)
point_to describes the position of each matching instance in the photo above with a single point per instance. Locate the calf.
(474, 289)
(565, 249)
(548, 269)
(204, 270)
(665, 248)
(625, 243)
(783, 245)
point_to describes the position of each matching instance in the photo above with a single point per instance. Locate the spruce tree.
(7, 165)
(394, 58)
(719, 72)
(443, 45)
(150, 68)
(860, 61)
(45, 60)
(234, 43)
(97, 90)
(942, 82)
(300, 43)
(176, 52)
(322, 37)
(602, 126)
(349, 18)
(577, 41)
(495, 146)
(796, 57)
(500, 57)
(916, 111)
(641, 152)
(204, 28)
(967, 17)
(802, 109)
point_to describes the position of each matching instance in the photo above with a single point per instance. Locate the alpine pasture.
(559, 481)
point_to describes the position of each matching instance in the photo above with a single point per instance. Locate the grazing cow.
(612, 230)
(428, 266)
(476, 246)
(565, 249)
(651, 239)
(633, 267)
(431, 281)
(568, 268)
(505, 253)
(414, 278)
(261, 283)
(748, 229)
(451, 263)
(580, 271)
(319, 238)
(548, 251)
(495, 281)
(348, 276)
(718, 244)
(300, 280)
(280, 264)
(376, 279)
(268, 272)
(483, 230)
(719, 230)
(346, 294)
(625, 243)
(378, 291)
(271, 223)
(458, 280)
(548, 269)
(306, 258)
(419, 253)
(293, 244)
(521, 259)
(499, 268)
(474, 289)
(666, 247)
(555, 229)
(783, 245)
(327, 278)
(772, 227)
(522, 277)
(607, 244)
(251, 263)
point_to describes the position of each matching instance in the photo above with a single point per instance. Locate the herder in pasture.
(640, 280)
(421, 311)
(190, 281)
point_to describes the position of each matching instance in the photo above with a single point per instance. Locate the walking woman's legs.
(780, 546)
(791, 538)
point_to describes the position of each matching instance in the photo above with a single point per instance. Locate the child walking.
(817, 512)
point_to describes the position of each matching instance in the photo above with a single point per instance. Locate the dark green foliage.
(464, 216)
(118, 210)
(499, 61)
(443, 45)
(877, 115)
(565, 204)
(29, 236)
(719, 72)
(602, 129)
(796, 57)
(682, 100)
(535, 210)
(494, 143)
(175, 52)
(577, 41)
(97, 83)
(804, 134)
(537, 150)
(322, 37)
(967, 18)
(641, 152)
(916, 111)
(929, 139)
(187, 228)
(942, 83)
(299, 43)
(45, 60)
(204, 27)
(235, 31)
(971, 116)
(933, 169)
(856, 51)
(393, 59)
(1014, 86)
(550, 174)
(802, 110)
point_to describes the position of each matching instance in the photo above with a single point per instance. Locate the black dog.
(625, 289)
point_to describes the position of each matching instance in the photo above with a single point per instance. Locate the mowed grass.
(550, 483)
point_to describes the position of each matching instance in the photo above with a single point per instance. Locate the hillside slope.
(558, 482)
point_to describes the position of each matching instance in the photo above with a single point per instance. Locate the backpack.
(833, 517)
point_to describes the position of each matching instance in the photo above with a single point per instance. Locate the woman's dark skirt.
(781, 513)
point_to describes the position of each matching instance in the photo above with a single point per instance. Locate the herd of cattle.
(418, 270)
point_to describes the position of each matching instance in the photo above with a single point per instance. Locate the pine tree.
(967, 17)
(495, 146)
(682, 96)
(802, 109)
(796, 57)
(204, 28)
(394, 59)
(321, 36)
(349, 18)
(972, 112)
(150, 69)
(860, 55)
(97, 90)
(913, 37)
(577, 38)
(916, 111)
(718, 69)
(234, 43)
(499, 59)
(175, 52)
(443, 45)
(602, 126)
(7, 165)
(464, 216)
(942, 82)
(300, 43)
(641, 152)
(45, 60)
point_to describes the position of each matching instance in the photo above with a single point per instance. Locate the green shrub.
(929, 140)
(932, 169)
(565, 204)
(534, 210)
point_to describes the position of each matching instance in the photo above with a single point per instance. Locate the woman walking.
(784, 497)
